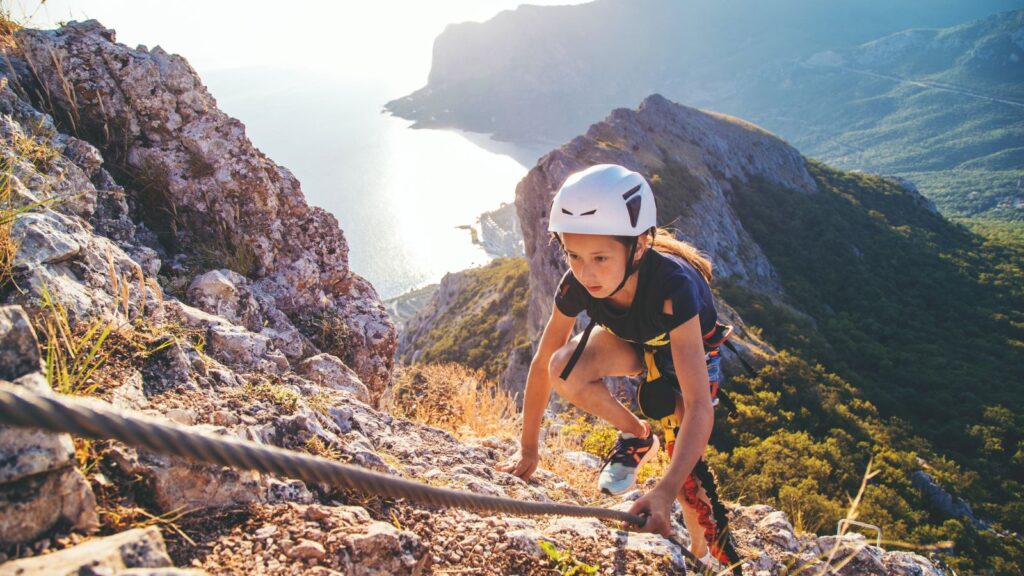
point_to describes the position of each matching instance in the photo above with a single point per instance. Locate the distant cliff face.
(860, 85)
(690, 157)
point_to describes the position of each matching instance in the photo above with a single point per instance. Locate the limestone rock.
(383, 550)
(34, 504)
(654, 545)
(28, 451)
(47, 238)
(238, 347)
(578, 528)
(231, 199)
(307, 549)
(526, 540)
(179, 484)
(777, 529)
(329, 370)
(230, 295)
(19, 348)
(39, 485)
(137, 548)
(899, 563)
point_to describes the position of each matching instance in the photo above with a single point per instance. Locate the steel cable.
(22, 408)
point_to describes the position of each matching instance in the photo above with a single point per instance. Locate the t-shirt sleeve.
(685, 297)
(570, 297)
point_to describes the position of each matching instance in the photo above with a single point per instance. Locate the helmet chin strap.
(630, 266)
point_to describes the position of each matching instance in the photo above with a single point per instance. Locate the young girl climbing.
(651, 313)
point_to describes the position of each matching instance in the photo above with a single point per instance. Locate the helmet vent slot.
(633, 205)
(589, 213)
(564, 211)
(630, 192)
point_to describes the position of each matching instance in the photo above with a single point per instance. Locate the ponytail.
(667, 243)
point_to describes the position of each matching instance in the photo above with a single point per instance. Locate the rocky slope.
(202, 192)
(216, 298)
(297, 529)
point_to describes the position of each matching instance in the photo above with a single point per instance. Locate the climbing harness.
(22, 408)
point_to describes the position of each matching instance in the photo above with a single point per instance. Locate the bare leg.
(698, 546)
(605, 355)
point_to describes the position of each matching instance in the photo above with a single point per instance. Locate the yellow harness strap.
(652, 369)
(669, 424)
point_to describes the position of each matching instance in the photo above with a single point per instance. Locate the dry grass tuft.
(454, 398)
(8, 246)
(318, 447)
(73, 354)
(35, 147)
(8, 26)
(119, 518)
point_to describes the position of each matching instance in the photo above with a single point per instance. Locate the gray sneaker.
(618, 475)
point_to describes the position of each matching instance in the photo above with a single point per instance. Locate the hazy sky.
(376, 41)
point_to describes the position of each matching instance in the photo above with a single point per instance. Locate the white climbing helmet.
(604, 199)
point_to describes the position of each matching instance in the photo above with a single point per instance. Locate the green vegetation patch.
(486, 321)
(905, 335)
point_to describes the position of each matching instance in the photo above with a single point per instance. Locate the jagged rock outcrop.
(500, 233)
(402, 308)
(199, 184)
(691, 158)
(943, 501)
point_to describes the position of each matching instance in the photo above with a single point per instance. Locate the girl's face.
(598, 262)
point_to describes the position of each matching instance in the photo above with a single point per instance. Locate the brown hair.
(667, 243)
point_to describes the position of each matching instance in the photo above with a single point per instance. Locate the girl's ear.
(641, 246)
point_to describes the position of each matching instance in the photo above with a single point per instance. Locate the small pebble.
(266, 532)
(308, 549)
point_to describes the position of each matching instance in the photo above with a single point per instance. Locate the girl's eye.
(572, 256)
(601, 258)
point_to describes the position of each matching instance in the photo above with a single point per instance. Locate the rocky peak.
(194, 179)
(692, 158)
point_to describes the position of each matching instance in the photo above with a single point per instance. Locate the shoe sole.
(655, 446)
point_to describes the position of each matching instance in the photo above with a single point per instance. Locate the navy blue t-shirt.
(661, 277)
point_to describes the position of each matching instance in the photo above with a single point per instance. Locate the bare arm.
(538, 391)
(538, 385)
(699, 415)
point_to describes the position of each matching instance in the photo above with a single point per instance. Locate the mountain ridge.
(892, 125)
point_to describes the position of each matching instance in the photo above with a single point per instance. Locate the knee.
(570, 387)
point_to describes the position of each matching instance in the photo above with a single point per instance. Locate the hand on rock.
(522, 465)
